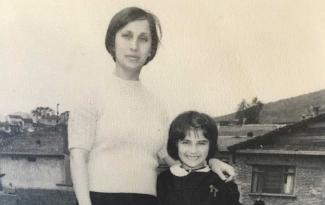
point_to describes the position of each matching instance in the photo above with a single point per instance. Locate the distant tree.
(256, 102)
(240, 114)
(243, 105)
(248, 113)
(41, 112)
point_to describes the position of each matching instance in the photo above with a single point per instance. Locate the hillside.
(287, 110)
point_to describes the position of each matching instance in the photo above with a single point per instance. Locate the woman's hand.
(222, 169)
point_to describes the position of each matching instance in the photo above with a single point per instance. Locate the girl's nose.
(193, 149)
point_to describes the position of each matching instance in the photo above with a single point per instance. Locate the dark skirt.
(98, 198)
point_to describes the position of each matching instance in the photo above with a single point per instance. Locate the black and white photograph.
(137, 102)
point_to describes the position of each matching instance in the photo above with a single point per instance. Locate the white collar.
(179, 171)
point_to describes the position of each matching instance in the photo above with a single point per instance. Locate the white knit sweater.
(123, 128)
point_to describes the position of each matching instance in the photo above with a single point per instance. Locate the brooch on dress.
(213, 190)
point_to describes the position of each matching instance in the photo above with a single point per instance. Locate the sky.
(213, 53)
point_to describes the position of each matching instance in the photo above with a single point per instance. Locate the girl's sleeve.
(232, 194)
(82, 125)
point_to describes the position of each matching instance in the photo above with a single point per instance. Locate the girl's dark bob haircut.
(192, 121)
(126, 16)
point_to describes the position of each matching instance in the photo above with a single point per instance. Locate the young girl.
(193, 141)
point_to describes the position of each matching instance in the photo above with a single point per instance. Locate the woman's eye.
(144, 38)
(126, 35)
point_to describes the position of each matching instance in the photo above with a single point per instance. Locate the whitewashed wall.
(44, 173)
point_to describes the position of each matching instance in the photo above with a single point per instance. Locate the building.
(35, 167)
(5, 127)
(51, 120)
(28, 125)
(233, 134)
(285, 166)
(18, 124)
(64, 117)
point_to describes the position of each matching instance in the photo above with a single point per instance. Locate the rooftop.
(49, 141)
(307, 135)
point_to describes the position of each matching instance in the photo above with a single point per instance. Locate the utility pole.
(57, 113)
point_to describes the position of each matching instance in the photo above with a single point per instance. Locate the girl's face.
(193, 149)
(133, 46)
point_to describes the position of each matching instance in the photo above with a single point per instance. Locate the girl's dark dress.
(195, 188)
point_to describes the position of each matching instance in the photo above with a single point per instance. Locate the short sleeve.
(82, 125)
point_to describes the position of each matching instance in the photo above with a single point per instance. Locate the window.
(273, 179)
(1, 175)
(68, 180)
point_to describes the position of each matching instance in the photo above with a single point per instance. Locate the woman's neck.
(127, 74)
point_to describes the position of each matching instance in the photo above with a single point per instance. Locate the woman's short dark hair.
(192, 120)
(126, 16)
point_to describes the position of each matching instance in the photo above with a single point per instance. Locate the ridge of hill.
(287, 110)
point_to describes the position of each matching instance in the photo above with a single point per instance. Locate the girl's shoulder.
(226, 192)
(164, 179)
(216, 180)
(165, 174)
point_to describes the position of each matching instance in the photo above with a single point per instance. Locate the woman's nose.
(134, 44)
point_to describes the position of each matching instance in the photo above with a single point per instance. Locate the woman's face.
(133, 46)
(193, 149)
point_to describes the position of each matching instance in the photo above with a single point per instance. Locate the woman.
(114, 138)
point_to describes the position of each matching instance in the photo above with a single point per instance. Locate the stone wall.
(309, 188)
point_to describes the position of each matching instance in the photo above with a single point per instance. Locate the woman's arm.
(169, 161)
(79, 173)
(220, 167)
(164, 156)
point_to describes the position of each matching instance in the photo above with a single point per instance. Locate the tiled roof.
(15, 116)
(4, 134)
(225, 141)
(28, 120)
(51, 117)
(314, 139)
(243, 130)
(230, 135)
(44, 142)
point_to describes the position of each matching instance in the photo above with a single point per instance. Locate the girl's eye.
(184, 142)
(203, 143)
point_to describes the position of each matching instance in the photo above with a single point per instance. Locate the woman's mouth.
(132, 57)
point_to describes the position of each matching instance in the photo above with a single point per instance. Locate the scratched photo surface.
(213, 54)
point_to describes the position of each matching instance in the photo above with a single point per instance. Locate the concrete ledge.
(281, 152)
(273, 195)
